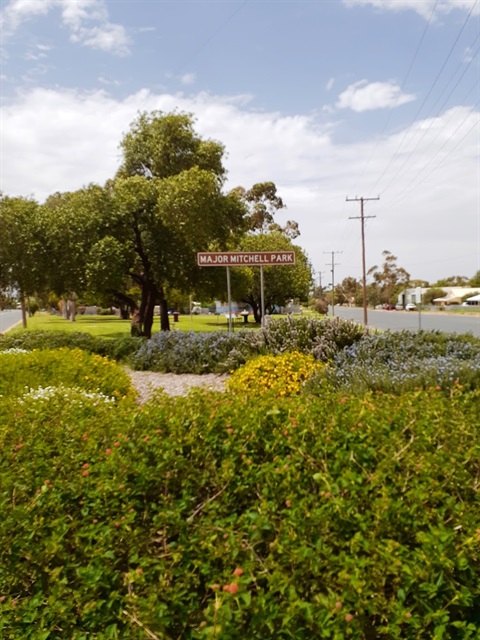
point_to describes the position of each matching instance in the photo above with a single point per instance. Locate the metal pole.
(262, 297)
(229, 295)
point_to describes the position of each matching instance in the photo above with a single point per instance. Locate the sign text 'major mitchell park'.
(245, 258)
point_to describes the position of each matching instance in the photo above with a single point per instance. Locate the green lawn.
(113, 327)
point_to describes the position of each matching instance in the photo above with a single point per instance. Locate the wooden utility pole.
(362, 219)
(334, 264)
(320, 281)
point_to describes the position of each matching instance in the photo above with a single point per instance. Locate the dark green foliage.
(119, 349)
(347, 517)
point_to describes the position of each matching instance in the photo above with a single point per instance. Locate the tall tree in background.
(23, 259)
(388, 280)
(263, 203)
(475, 281)
(75, 222)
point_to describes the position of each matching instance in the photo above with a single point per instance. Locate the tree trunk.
(72, 307)
(135, 324)
(149, 310)
(124, 312)
(24, 310)
(65, 308)
(164, 318)
(257, 312)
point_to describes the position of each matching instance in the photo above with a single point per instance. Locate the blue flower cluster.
(402, 361)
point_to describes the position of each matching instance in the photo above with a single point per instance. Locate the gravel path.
(147, 382)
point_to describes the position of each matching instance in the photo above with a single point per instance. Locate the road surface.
(413, 320)
(9, 318)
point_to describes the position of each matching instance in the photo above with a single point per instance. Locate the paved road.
(9, 318)
(413, 320)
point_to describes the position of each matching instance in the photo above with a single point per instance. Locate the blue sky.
(328, 99)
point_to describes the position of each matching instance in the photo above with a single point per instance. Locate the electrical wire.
(415, 55)
(412, 184)
(396, 153)
(211, 37)
(427, 129)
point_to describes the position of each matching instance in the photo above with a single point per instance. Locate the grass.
(113, 327)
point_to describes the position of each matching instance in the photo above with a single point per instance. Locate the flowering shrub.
(218, 517)
(218, 352)
(66, 394)
(320, 338)
(191, 352)
(404, 361)
(282, 375)
(61, 368)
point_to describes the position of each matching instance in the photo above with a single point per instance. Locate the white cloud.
(330, 84)
(364, 96)
(59, 140)
(422, 7)
(187, 78)
(34, 56)
(108, 37)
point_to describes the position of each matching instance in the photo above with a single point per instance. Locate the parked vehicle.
(410, 307)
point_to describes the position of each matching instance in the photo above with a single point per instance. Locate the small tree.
(280, 283)
(23, 259)
(389, 280)
(430, 295)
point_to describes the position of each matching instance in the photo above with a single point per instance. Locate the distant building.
(453, 295)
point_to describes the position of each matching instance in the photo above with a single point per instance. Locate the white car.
(410, 307)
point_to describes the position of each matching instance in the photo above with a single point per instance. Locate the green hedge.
(215, 517)
(119, 348)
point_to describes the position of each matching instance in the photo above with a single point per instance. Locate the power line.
(412, 184)
(212, 36)
(427, 96)
(427, 129)
(415, 55)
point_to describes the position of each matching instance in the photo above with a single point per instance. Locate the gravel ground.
(147, 382)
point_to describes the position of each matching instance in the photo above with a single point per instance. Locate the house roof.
(474, 298)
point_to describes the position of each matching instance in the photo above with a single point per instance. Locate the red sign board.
(245, 258)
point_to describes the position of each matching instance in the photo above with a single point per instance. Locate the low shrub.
(283, 375)
(218, 517)
(397, 362)
(191, 352)
(118, 348)
(181, 352)
(21, 372)
(310, 336)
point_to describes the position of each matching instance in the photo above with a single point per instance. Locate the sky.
(332, 100)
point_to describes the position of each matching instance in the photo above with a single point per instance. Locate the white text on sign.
(245, 258)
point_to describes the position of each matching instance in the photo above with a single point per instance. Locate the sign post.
(245, 259)
(262, 297)
(229, 296)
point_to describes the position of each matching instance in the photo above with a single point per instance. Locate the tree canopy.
(23, 259)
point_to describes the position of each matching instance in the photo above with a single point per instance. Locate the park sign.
(245, 258)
